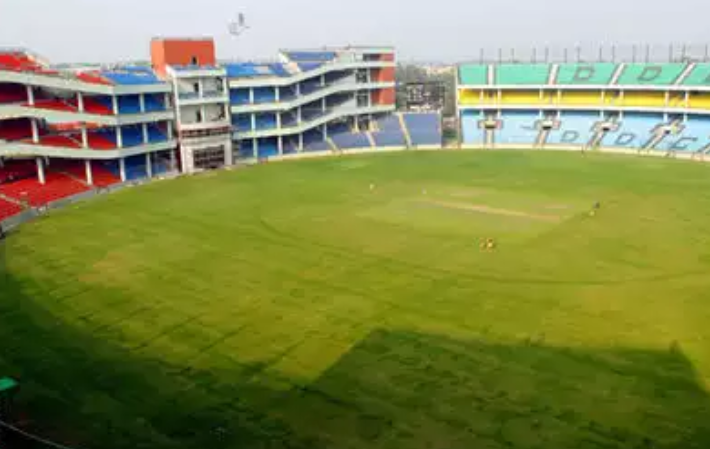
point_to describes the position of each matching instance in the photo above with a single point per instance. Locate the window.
(194, 61)
(198, 116)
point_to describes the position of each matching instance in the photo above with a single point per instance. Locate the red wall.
(385, 75)
(166, 52)
(383, 96)
(389, 57)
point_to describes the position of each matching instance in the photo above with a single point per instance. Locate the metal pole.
(613, 53)
(500, 54)
(547, 54)
(579, 53)
(565, 54)
(601, 53)
(648, 53)
(670, 52)
(534, 54)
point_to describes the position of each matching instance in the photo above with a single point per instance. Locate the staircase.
(333, 147)
(370, 139)
(405, 131)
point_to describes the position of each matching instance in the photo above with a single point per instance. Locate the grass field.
(345, 303)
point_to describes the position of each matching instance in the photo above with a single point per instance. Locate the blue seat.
(242, 122)
(575, 129)
(264, 95)
(472, 134)
(129, 104)
(350, 140)
(633, 131)
(155, 134)
(136, 167)
(131, 77)
(246, 149)
(389, 132)
(154, 103)
(308, 56)
(308, 66)
(424, 129)
(265, 121)
(518, 128)
(239, 96)
(693, 136)
(132, 136)
(268, 147)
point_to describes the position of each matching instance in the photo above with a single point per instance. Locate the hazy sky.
(450, 30)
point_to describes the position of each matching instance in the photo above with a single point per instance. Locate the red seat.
(8, 209)
(57, 186)
(93, 78)
(93, 106)
(15, 129)
(99, 142)
(12, 93)
(68, 141)
(55, 105)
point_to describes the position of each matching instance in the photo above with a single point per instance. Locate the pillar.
(148, 165)
(122, 168)
(141, 102)
(119, 137)
(298, 89)
(251, 95)
(80, 101)
(114, 104)
(166, 100)
(325, 131)
(255, 148)
(40, 170)
(322, 80)
(170, 131)
(89, 174)
(299, 115)
(253, 122)
(324, 104)
(84, 137)
(30, 95)
(281, 145)
(35, 130)
(145, 133)
(173, 165)
(300, 142)
(278, 94)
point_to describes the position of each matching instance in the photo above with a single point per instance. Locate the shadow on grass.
(394, 389)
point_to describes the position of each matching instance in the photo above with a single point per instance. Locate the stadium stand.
(156, 134)
(518, 127)
(313, 140)
(389, 132)
(522, 74)
(265, 121)
(633, 131)
(307, 56)
(699, 75)
(132, 136)
(264, 95)
(15, 129)
(239, 96)
(424, 128)
(350, 140)
(129, 104)
(101, 176)
(268, 147)
(8, 209)
(575, 129)
(12, 93)
(131, 76)
(99, 140)
(472, 134)
(473, 74)
(308, 66)
(154, 103)
(56, 187)
(586, 74)
(693, 136)
(136, 167)
(97, 105)
(242, 122)
(17, 61)
(279, 69)
(640, 74)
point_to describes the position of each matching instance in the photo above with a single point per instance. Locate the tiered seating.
(311, 56)
(310, 86)
(518, 128)
(57, 186)
(472, 134)
(154, 103)
(101, 176)
(279, 69)
(246, 149)
(389, 132)
(693, 137)
(651, 74)
(8, 209)
(132, 136)
(12, 93)
(136, 168)
(17, 169)
(576, 129)
(129, 104)
(55, 104)
(308, 66)
(424, 129)
(634, 131)
(97, 105)
(17, 61)
(589, 74)
(131, 76)
(93, 78)
(473, 74)
(517, 74)
(265, 121)
(242, 122)
(15, 129)
(102, 140)
(69, 141)
(350, 140)
(264, 95)
(313, 141)
(156, 134)
(268, 147)
(239, 96)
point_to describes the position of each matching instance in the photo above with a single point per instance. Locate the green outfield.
(346, 303)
